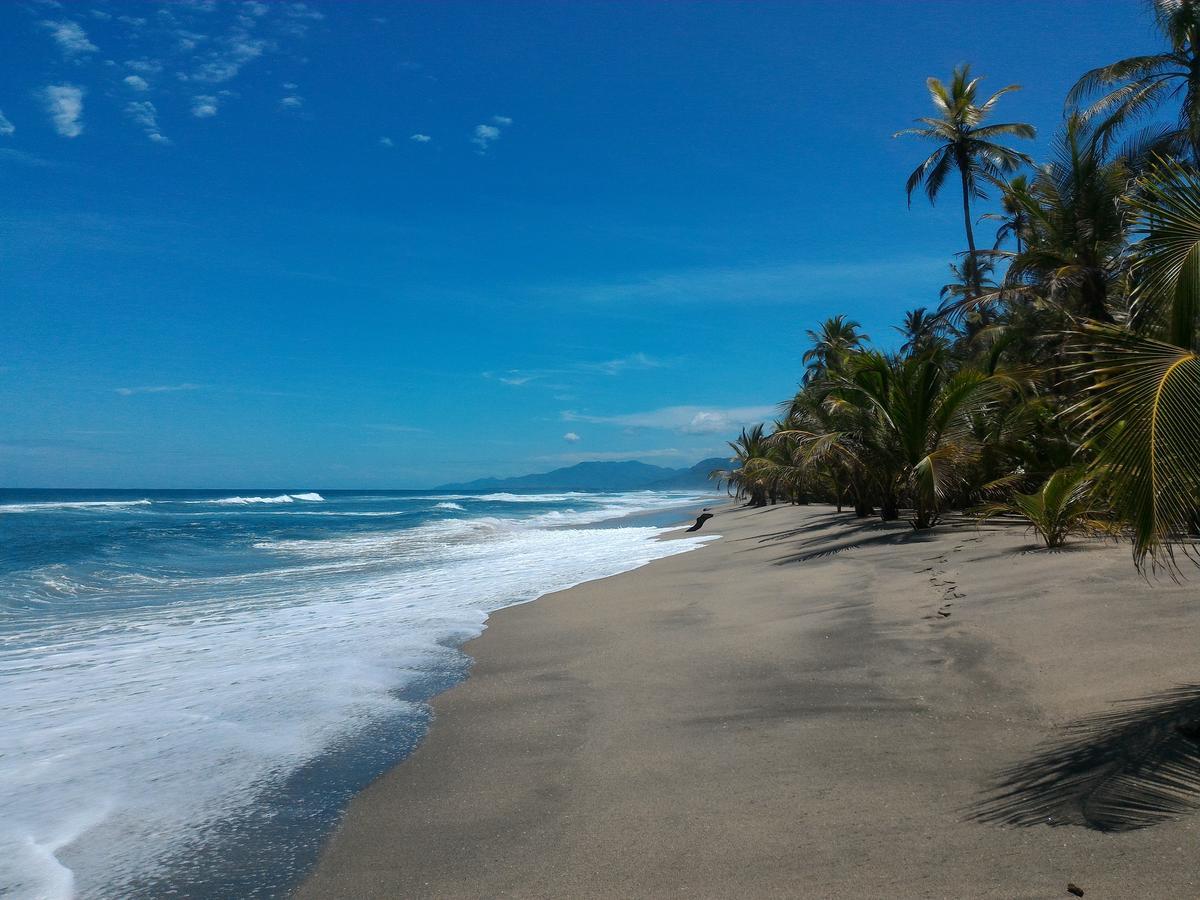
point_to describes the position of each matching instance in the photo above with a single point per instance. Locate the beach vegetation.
(1057, 378)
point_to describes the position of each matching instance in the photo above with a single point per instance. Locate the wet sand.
(786, 713)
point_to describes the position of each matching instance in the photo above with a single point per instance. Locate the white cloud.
(254, 8)
(484, 135)
(224, 63)
(291, 102)
(625, 363)
(6, 127)
(420, 138)
(72, 40)
(144, 114)
(304, 11)
(684, 419)
(157, 389)
(137, 82)
(387, 142)
(64, 103)
(514, 377)
(145, 66)
(204, 106)
(571, 437)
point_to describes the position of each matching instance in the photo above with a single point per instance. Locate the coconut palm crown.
(964, 143)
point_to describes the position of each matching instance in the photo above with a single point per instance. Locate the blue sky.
(386, 245)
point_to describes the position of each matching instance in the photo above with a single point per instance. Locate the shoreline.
(782, 712)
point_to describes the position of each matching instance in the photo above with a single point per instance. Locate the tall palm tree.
(1138, 85)
(964, 142)
(837, 337)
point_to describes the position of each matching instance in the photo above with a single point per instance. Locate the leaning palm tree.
(1135, 87)
(1143, 405)
(837, 337)
(964, 143)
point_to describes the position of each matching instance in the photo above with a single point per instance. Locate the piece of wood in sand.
(700, 520)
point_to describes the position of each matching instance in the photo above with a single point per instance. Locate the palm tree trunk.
(966, 192)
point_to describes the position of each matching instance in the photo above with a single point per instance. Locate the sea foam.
(134, 736)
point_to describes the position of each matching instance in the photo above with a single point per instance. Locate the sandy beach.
(810, 706)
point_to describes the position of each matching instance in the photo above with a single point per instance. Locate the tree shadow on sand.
(1130, 768)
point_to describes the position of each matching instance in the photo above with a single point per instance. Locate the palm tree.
(751, 453)
(1075, 233)
(1014, 220)
(1063, 506)
(837, 337)
(921, 416)
(1138, 85)
(972, 285)
(1143, 408)
(922, 332)
(964, 143)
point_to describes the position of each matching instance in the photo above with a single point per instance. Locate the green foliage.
(1059, 378)
(1063, 506)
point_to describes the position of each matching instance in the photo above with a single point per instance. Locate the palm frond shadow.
(829, 545)
(1130, 768)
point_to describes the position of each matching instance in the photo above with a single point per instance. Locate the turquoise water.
(192, 684)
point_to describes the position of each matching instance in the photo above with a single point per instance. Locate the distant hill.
(628, 475)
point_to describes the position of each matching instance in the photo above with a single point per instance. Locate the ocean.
(194, 683)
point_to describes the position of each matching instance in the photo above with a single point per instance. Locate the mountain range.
(628, 475)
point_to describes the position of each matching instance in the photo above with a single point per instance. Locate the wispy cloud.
(292, 101)
(486, 133)
(420, 138)
(20, 157)
(388, 426)
(6, 127)
(145, 115)
(572, 438)
(205, 106)
(682, 419)
(64, 103)
(386, 142)
(624, 364)
(72, 40)
(781, 283)
(157, 389)
(621, 455)
(136, 82)
(225, 61)
(633, 362)
(144, 66)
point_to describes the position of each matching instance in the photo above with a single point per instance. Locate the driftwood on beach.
(700, 520)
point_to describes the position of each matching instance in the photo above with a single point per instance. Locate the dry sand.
(783, 713)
